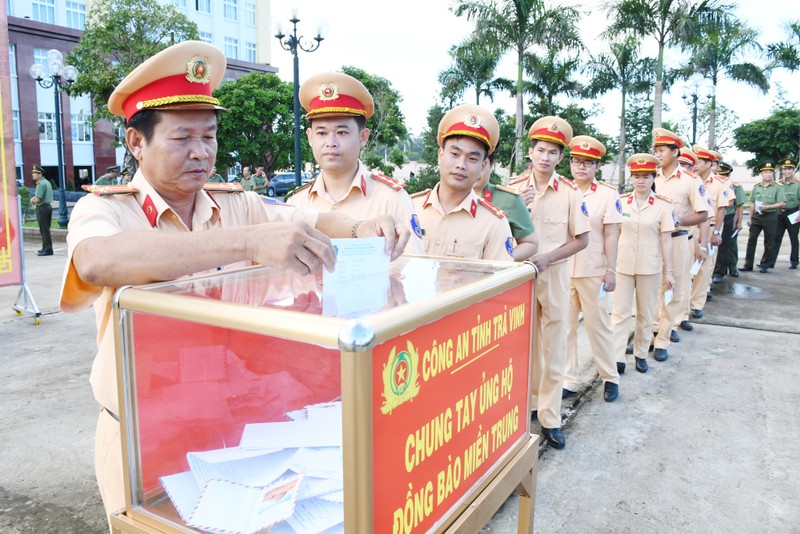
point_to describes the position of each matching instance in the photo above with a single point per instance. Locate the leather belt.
(678, 233)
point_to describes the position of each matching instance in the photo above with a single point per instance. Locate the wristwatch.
(717, 232)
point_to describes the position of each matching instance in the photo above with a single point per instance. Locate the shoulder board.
(507, 189)
(518, 179)
(220, 187)
(625, 195)
(569, 182)
(391, 182)
(607, 185)
(420, 193)
(108, 190)
(665, 199)
(491, 207)
(296, 190)
(736, 184)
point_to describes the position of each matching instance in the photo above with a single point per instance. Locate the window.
(231, 48)
(203, 6)
(81, 128)
(250, 52)
(40, 57)
(76, 15)
(230, 8)
(179, 3)
(44, 11)
(205, 36)
(250, 14)
(47, 126)
(12, 58)
(17, 129)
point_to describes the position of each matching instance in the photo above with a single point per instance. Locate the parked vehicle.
(283, 182)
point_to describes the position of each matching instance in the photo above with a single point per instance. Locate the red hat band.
(590, 152)
(341, 104)
(546, 134)
(461, 128)
(667, 140)
(643, 167)
(702, 154)
(175, 89)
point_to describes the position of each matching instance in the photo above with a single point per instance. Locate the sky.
(408, 43)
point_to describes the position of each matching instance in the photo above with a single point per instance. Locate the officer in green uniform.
(125, 177)
(43, 200)
(791, 189)
(519, 218)
(213, 176)
(247, 180)
(260, 181)
(110, 177)
(767, 198)
(728, 254)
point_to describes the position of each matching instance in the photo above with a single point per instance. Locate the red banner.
(449, 400)
(10, 244)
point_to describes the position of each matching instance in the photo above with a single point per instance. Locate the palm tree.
(622, 69)
(474, 65)
(718, 52)
(551, 76)
(517, 26)
(669, 22)
(786, 54)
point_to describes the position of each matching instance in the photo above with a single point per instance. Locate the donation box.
(256, 400)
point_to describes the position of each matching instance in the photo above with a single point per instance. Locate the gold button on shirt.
(471, 230)
(369, 197)
(602, 203)
(639, 249)
(686, 192)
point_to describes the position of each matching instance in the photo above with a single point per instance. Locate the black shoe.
(565, 393)
(555, 437)
(793, 265)
(685, 325)
(45, 253)
(709, 296)
(660, 355)
(534, 415)
(717, 278)
(621, 368)
(762, 269)
(744, 269)
(610, 391)
(674, 337)
(697, 314)
(641, 365)
(629, 349)
(735, 273)
(770, 266)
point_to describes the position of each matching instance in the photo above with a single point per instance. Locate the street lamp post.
(58, 76)
(294, 44)
(696, 89)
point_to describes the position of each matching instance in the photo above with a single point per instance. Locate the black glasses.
(581, 163)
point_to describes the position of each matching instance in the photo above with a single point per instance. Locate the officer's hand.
(716, 240)
(610, 281)
(670, 280)
(528, 194)
(396, 233)
(290, 245)
(541, 261)
(701, 254)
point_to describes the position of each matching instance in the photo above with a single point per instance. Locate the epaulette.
(569, 182)
(518, 179)
(420, 193)
(625, 195)
(491, 207)
(665, 199)
(391, 182)
(507, 189)
(219, 187)
(108, 190)
(607, 185)
(290, 194)
(736, 184)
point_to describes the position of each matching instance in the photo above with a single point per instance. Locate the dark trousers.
(725, 260)
(767, 222)
(44, 214)
(792, 229)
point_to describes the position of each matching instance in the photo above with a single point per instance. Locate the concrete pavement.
(705, 442)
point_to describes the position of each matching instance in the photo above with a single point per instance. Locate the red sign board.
(449, 400)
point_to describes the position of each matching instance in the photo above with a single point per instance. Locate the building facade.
(37, 26)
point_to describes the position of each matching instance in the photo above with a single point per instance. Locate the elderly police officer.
(767, 198)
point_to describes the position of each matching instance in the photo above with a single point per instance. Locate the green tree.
(119, 36)
(430, 140)
(786, 53)
(517, 26)
(258, 129)
(552, 76)
(474, 65)
(773, 138)
(669, 22)
(622, 69)
(726, 121)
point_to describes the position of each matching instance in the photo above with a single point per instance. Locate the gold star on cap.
(197, 70)
(328, 91)
(473, 121)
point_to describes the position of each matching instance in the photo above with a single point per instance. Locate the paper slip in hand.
(668, 296)
(360, 283)
(758, 206)
(602, 292)
(735, 233)
(695, 267)
(794, 217)
(358, 257)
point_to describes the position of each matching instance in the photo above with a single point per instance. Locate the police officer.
(455, 220)
(644, 260)
(337, 109)
(767, 199)
(728, 255)
(260, 181)
(125, 176)
(791, 189)
(593, 269)
(110, 177)
(562, 220)
(43, 200)
(214, 177)
(510, 201)
(247, 180)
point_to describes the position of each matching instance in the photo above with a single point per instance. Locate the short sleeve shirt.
(145, 210)
(44, 191)
(508, 200)
(248, 183)
(603, 204)
(792, 193)
(719, 194)
(640, 235)
(216, 179)
(685, 191)
(558, 213)
(767, 194)
(370, 195)
(471, 230)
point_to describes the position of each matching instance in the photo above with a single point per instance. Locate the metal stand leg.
(26, 303)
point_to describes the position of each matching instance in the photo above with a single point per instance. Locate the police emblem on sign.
(510, 246)
(618, 205)
(400, 376)
(583, 209)
(415, 225)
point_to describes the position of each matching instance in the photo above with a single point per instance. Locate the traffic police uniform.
(687, 197)
(44, 211)
(475, 229)
(728, 254)
(180, 76)
(334, 94)
(767, 220)
(640, 264)
(559, 215)
(791, 190)
(587, 269)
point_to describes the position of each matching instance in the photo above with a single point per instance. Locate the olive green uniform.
(508, 200)
(105, 180)
(248, 183)
(792, 193)
(44, 212)
(216, 179)
(728, 254)
(766, 221)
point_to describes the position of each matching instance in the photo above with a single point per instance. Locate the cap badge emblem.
(641, 161)
(328, 91)
(197, 70)
(585, 145)
(473, 121)
(553, 127)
